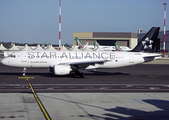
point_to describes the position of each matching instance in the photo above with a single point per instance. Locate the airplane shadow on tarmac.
(89, 73)
(5, 70)
(48, 74)
(101, 73)
(138, 114)
(19, 74)
(123, 113)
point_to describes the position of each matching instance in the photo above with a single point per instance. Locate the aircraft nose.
(5, 61)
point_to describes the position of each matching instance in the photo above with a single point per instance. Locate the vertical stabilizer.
(96, 43)
(148, 42)
(118, 47)
(78, 43)
(43, 46)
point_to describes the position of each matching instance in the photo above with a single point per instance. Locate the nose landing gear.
(24, 71)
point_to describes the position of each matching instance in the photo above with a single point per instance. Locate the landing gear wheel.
(81, 75)
(77, 73)
(24, 71)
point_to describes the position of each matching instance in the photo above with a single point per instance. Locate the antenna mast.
(59, 25)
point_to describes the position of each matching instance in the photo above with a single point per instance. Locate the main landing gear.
(81, 75)
(24, 71)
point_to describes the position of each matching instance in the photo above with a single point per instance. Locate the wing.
(84, 64)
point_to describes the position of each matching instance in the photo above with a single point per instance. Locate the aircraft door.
(23, 57)
(131, 58)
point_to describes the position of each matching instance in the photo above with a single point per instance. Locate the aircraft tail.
(43, 46)
(118, 47)
(11, 44)
(148, 42)
(48, 45)
(78, 43)
(96, 44)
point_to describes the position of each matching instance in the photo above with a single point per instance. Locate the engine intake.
(60, 69)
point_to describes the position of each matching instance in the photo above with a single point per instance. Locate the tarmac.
(86, 106)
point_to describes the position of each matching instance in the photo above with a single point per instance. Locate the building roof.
(51, 48)
(2, 47)
(115, 34)
(14, 48)
(26, 47)
(38, 47)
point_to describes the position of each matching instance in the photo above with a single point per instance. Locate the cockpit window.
(11, 55)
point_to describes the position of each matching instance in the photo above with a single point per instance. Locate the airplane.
(104, 48)
(81, 46)
(118, 47)
(66, 62)
(43, 46)
(11, 44)
(79, 43)
(96, 45)
(112, 48)
(122, 48)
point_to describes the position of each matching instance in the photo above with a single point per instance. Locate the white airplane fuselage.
(65, 62)
(46, 59)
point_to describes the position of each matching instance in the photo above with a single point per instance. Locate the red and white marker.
(164, 28)
(59, 25)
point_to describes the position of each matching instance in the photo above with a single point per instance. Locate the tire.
(81, 75)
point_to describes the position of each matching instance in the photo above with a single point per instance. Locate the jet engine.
(60, 69)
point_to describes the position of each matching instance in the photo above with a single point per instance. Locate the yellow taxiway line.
(40, 104)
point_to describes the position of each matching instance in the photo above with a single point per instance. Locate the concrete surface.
(19, 106)
(86, 106)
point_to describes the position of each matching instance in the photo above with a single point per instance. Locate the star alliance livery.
(65, 62)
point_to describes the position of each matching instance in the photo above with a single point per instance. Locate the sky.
(37, 21)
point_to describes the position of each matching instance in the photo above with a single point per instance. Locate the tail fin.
(96, 43)
(43, 46)
(11, 44)
(47, 46)
(147, 43)
(78, 43)
(118, 47)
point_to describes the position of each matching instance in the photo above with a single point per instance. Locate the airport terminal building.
(107, 38)
(121, 38)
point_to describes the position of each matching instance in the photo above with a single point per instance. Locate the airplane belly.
(113, 64)
(122, 63)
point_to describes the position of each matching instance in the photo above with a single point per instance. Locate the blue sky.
(37, 21)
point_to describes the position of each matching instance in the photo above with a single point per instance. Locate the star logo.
(147, 43)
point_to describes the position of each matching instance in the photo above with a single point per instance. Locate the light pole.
(59, 25)
(164, 28)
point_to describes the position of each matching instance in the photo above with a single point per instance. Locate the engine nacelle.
(61, 69)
